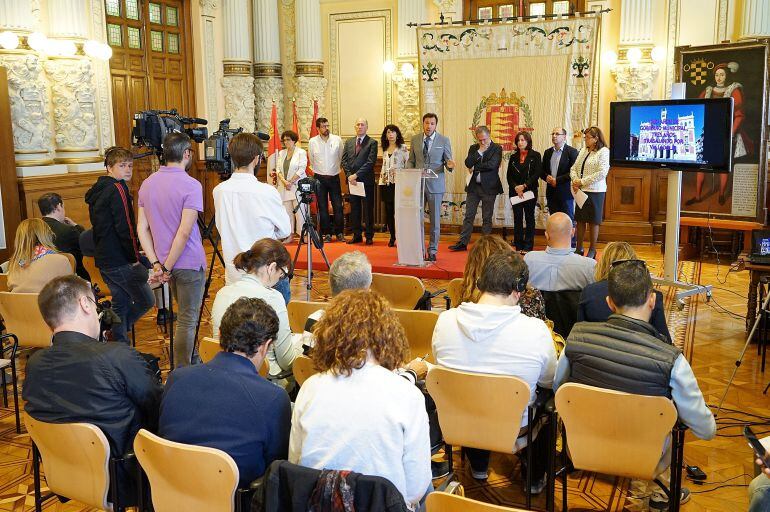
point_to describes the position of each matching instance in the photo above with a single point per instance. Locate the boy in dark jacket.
(111, 210)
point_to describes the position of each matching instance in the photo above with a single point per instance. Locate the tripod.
(762, 310)
(308, 228)
(207, 231)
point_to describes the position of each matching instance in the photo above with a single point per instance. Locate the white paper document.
(527, 196)
(357, 189)
(580, 197)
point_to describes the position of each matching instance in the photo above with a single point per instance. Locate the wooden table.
(755, 272)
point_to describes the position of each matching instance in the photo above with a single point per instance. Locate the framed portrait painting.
(739, 71)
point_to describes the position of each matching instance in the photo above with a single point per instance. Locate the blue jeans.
(759, 494)
(284, 286)
(131, 296)
(187, 290)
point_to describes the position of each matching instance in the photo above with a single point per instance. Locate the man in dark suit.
(66, 233)
(557, 162)
(483, 162)
(358, 160)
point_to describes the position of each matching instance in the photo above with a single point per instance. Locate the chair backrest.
(89, 263)
(478, 410)
(444, 502)
(210, 347)
(454, 288)
(562, 308)
(22, 317)
(75, 460)
(303, 368)
(186, 477)
(419, 326)
(402, 292)
(299, 310)
(615, 433)
(3, 282)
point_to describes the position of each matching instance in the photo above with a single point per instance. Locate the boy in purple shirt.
(169, 202)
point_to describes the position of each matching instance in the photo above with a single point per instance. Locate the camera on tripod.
(306, 187)
(152, 126)
(215, 149)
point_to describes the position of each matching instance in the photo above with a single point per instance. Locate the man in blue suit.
(557, 162)
(225, 403)
(431, 150)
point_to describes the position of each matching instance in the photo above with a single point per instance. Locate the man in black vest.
(627, 354)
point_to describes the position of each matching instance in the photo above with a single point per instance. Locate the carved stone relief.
(239, 101)
(634, 82)
(266, 91)
(408, 105)
(72, 95)
(102, 74)
(29, 103)
(309, 88)
(288, 54)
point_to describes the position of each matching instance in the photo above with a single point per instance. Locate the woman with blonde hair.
(35, 259)
(593, 300)
(357, 414)
(531, 302)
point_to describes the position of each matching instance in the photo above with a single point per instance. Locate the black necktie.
(425, 148)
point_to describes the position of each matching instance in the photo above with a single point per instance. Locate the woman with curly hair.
(357, 413)
(35, 259)
(531, 302)
(593, 300)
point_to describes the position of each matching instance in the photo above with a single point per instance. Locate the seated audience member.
(493, 336)
(627, 354)
(358, 414)
(593, 300)
(531, 301)
(82, 380)
(66, 233)
(351, 271)
(35, 259)
(759, 489)
(226, 404)
(558, 267)
(264, 264)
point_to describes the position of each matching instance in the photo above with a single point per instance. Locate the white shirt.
(372, 422)
(325, 155)
(281, 354)
(498, 340)
(246, 211)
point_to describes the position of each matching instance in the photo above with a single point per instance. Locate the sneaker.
(439, 469)
(340, 237)
(659, 500)
(480, 475)
(537, 486)
(327, 239)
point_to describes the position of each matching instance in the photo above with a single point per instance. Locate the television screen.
(690, 134)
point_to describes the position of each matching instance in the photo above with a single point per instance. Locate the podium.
(410, 225)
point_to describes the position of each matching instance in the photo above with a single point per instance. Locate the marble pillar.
(407, 84)
(635, 80)
(308, 63)
(755, 21)
(268, 81)
(237, 82)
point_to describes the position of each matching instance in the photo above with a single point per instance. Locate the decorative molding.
(102, 77)
(309, 69)
(634, 83)
(672, 36)
(79, 160)
(267, 69)
(309, 88)
(268, 89)
(34, 163)
(239, 101)
(722, 20)
(237, 69)
(210, 70)
(288, 38)
(646, 53)
(27, 90)
(408, 91)
(208, 7)
(334, 21)
(72, 95)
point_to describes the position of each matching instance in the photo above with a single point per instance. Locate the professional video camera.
(306, 187)
(215, 149)
(152, 126)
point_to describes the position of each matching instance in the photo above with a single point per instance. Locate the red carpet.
(383, 258)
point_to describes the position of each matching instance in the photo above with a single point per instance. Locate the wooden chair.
(445, 502)
(23, 320)
(299, 310)
(303, 368)
(483, 411)
(3, 282)
(10, 363)
(77, 463)
(187, 477)
(419, 327)
(453, 292)
(403, 292)
(620, 434)
(89, 263)
(208, 348)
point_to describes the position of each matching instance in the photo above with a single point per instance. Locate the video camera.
(152, 126)
(306, 187)
(215, 149)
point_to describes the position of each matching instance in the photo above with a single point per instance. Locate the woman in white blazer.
(290, 168)
(589, 174)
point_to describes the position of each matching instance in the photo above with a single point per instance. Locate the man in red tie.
(358, 160)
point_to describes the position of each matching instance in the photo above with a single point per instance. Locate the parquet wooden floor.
(711, 334)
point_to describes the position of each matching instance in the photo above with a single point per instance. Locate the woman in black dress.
(523, 173)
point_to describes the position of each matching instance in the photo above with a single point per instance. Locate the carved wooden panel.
(628, 194)
(72, 187)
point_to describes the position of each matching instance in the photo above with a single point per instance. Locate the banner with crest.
(511, 77)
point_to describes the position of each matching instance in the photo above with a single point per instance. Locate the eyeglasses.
(634, 261)
(284, 272)
(554, 134)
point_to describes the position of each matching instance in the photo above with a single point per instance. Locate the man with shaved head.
(358, 160)
(558, 267)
